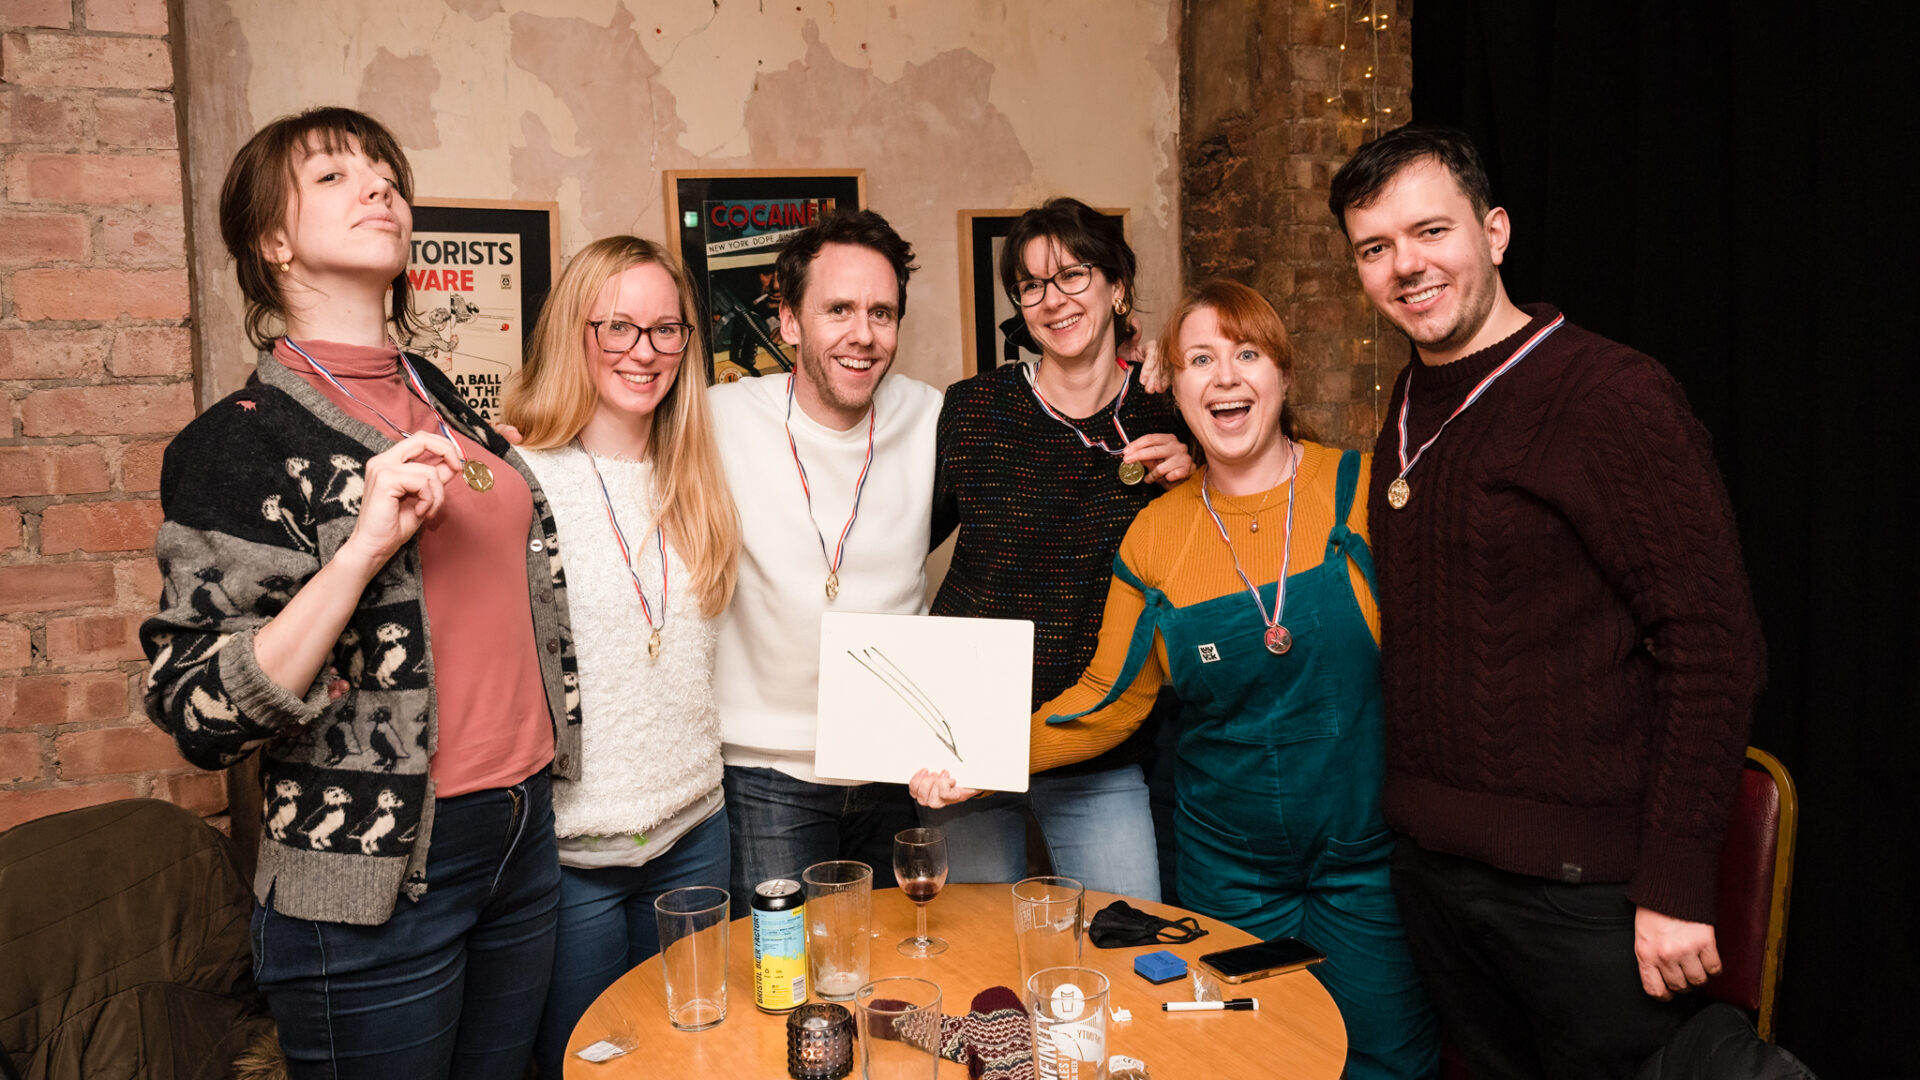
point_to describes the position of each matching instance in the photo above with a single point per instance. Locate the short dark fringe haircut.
(855, 228)
(1087, 235)
(253, 202)
(1365, 175)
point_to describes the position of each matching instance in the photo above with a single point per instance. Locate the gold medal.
(653, 645)
(1399, 492)
(1132, 472)
(479, 477)
(833, 585)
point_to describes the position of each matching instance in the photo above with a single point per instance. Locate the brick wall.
(96, 373)
(1274, 97)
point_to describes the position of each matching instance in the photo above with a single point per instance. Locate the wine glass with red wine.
(920, 864)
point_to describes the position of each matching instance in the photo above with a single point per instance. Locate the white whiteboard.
(899, 693)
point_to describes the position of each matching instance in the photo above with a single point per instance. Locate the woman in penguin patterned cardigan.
(360, 580)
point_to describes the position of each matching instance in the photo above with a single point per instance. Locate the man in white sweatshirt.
(832, 470)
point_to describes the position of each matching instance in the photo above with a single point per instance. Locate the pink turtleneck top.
(494, 727)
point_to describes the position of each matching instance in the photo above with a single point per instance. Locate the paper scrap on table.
(603, 1051)
(900, 693)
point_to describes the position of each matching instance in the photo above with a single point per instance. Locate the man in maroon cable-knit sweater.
(1570, 651)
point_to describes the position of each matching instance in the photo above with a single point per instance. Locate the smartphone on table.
(1261, 959)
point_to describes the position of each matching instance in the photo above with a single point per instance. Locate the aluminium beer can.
(779, 946)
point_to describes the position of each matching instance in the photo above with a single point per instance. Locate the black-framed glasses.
(1070, 280)
(618, 335)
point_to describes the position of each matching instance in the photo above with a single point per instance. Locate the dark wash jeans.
(1530, 977)
(449, 986)
(782, 825)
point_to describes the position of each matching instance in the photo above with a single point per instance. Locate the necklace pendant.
(1254, 525)
(1399, 492)
(833, 585)
(1278, 640)
(1132, 472)
(479, 477)
(653, 645)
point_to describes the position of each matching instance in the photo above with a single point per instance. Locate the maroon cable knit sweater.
(1569, 646)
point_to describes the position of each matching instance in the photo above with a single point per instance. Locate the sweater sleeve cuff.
(1677, 877)
(262, 701)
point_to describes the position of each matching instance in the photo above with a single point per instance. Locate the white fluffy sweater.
(650, 735)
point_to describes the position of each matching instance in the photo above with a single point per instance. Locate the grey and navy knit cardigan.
(258, 493)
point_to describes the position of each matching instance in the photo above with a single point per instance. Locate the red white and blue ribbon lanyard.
(859, 488)
(626, 559)
(1131, 472)
(478, 476)
(1399, 491)
(1277, 638)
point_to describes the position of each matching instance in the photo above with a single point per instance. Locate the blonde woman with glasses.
(613, 418)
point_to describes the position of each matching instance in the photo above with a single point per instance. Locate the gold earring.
(286, 267)
(1120, 306)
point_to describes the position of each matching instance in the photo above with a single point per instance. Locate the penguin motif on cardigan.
(378, 824)
(384, 741)
(325, 821)
(282, 807)
(393, 655)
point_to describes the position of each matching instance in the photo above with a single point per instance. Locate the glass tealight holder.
(819, 1042)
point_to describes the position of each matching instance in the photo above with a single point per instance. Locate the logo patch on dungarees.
(1208, 653)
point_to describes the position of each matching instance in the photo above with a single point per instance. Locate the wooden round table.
(1297, 1032)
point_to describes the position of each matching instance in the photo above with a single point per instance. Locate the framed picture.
(480, 270)
(730, 225)
(984, 305)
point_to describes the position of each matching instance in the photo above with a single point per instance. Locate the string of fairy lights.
(1373, 121)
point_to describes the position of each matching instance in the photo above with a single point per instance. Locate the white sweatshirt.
(649, 734)
(767, 672)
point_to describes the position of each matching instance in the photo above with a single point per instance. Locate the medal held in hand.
(478, 476)
(1131, 472)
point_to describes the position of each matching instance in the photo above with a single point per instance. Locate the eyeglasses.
(617, 336)
(1071, 281)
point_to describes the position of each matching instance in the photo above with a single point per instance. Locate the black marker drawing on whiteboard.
(909, 691)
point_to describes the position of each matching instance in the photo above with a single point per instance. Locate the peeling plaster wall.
(948, 104)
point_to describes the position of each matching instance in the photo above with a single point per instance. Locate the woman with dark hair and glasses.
(1042, 465)
(358, 580)
(612, 411)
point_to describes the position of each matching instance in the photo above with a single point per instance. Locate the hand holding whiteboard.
(899, 693)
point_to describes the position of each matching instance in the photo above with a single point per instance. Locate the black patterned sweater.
(1041, 516)
(258, 493)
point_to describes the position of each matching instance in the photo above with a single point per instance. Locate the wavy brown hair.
(260, 184)
(552, 397)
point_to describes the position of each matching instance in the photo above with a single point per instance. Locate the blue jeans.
(451, 984)
(782, 825)
(1098, 828)
(607, 927)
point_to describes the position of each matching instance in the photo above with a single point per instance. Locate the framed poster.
(984, 305)
(480, 270)
(729, 225)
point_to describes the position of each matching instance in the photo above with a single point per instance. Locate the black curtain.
(1726, 186)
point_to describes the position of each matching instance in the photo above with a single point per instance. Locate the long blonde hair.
(552, 397)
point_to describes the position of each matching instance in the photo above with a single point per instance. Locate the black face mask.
(1120, 925)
